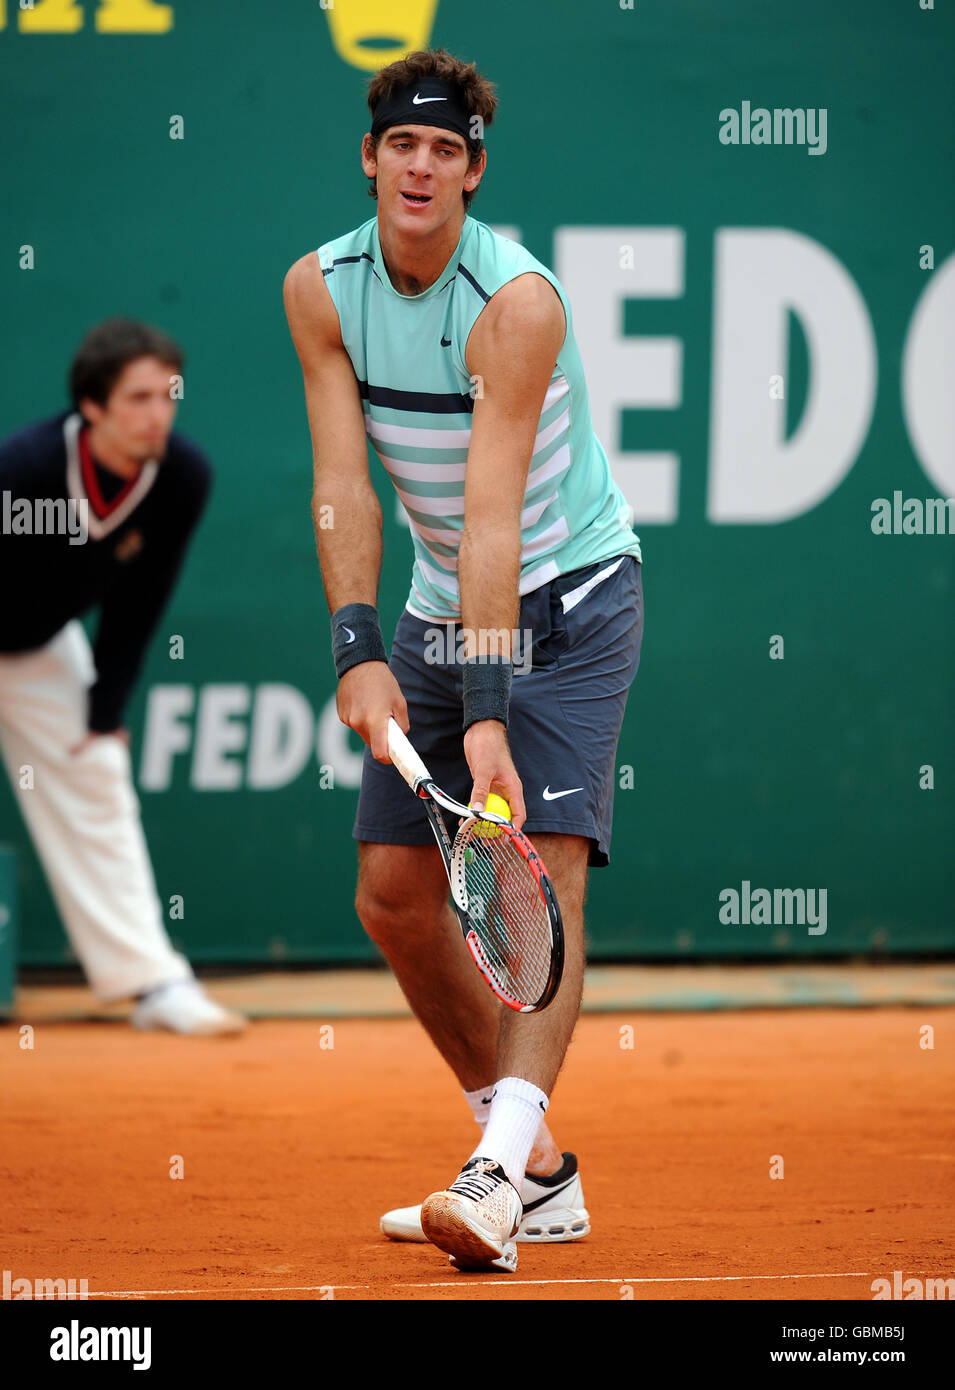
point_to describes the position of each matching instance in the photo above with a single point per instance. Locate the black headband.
(429, 101)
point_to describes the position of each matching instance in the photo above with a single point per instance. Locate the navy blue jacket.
(138, 534)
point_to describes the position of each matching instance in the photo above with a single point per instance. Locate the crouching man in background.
(99, 505)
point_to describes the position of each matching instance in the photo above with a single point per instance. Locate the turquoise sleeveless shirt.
(418, 398)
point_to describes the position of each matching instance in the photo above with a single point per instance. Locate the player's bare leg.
(533, 1045)
(402, 901)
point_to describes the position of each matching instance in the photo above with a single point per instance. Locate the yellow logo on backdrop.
(366, 33)
(369, 34)
(112, 17)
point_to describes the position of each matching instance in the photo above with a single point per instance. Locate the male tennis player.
(99, 504)
(452, 348)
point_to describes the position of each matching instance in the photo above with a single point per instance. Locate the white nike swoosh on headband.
(548, 795)
(420, 101)
(351, 636)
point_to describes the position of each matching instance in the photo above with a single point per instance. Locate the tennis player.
(451, 348)
(99, 504)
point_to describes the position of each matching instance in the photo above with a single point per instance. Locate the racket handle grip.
(405, 758)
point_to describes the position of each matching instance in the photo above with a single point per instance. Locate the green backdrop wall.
(768, 333)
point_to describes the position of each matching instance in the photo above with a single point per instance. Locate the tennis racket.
(504, 900)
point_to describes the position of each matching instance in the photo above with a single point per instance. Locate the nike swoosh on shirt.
(420, 101)
(351, 636)
(552, 796)
(445, 342)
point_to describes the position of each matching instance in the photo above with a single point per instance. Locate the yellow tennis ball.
(499, 807)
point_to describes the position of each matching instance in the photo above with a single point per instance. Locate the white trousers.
(82, 812)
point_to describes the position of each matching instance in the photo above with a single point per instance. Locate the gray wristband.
(487, 689)
(356, 636)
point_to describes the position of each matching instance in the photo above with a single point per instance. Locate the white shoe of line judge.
(182, 1006)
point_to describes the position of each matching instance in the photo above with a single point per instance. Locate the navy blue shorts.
(568, 698)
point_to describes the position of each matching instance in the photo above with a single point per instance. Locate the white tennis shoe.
(554, 1210)
(182, 1006)
(477, 1218)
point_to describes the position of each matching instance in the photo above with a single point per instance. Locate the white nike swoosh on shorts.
(548, 795)
(570, 600)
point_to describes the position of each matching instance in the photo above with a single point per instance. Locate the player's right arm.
(345, 507)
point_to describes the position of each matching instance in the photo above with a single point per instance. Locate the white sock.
(516, 1113)
(480, 1103)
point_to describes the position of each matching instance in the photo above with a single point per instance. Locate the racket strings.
(508, 913)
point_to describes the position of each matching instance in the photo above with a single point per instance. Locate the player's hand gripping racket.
(504, 900)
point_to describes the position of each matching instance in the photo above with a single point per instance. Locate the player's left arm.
(511, 354)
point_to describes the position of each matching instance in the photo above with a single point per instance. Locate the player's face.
(421, 172)
(139, 412)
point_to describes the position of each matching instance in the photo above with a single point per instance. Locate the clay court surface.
(291, 1150)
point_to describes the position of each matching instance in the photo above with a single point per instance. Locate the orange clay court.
(291, 1151)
